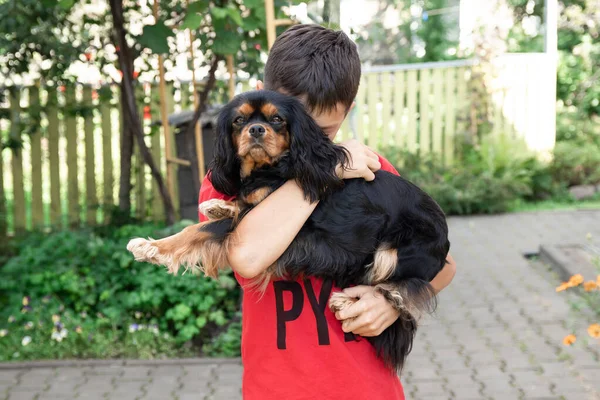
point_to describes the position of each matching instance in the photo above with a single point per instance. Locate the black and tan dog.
(387, 232)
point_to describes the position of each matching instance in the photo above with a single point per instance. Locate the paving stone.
(22, 396)
(430, 388)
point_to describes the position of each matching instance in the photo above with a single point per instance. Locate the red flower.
(257, 46)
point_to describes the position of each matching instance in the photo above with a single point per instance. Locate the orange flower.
(598, 280)
(590, 285)
(569, 340)
(563, 286)
(594, 330)
(576, 280)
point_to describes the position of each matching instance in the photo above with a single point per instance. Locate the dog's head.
(258, 129)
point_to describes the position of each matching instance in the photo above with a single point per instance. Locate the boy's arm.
(268, 229)
(372, 313)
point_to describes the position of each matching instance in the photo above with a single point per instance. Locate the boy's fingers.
(374, 165)
(351, 311)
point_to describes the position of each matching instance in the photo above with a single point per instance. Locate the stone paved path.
(497, 333)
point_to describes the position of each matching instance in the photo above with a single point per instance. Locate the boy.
(293, 347)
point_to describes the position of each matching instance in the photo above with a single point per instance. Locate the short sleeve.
(208, 192)
(387, 166)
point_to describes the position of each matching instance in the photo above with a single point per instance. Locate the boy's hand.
(362, 164)
(370, 315)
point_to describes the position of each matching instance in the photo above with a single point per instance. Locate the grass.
(556, 205)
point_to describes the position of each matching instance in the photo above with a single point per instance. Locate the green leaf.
(226, 42)
(154, 37)
(201, 321)
(218, 12)
(197, 6)
(254, 3)
(66, 4)
(191, 21)
(235, 15)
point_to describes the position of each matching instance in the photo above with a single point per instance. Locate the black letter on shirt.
(318, 308)
(290, 315)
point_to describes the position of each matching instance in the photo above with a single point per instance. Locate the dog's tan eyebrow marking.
(268, 109)
(246, 109)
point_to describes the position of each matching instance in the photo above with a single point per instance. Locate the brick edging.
(115, 363)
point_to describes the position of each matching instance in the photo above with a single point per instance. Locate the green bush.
(86, 283)
(575, 163)
(487, 179)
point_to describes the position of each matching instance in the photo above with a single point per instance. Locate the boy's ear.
(351, 107)
(260, 85)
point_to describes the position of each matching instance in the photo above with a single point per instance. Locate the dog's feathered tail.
(412, 298)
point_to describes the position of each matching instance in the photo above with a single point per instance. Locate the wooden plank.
(3, 214)
(508, 111)
(386, 113)
(140, 177)
(399, 91)
(185, 91)
(450, 123)
(436, 137)
(37, 205)
(372, 91)
(53, 159)
(170, 106)
(73, 206)
(360, 111)
(411, 98)
(108, 199)
(91, 195)
(157, 212)
(424, 109)
(19, 211)
(157, 209)
(462, 110)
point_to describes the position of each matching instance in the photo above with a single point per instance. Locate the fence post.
(399, 131)
(91, 198)
(424, 132)
(19, 211)
(438, 84)
(412, 110)
(37, 206)
(3, 214)
(450, 123)
(72, 170)
(107, 160)
(53, 159)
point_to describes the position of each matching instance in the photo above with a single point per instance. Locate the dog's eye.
(276, 119)
(239, 120)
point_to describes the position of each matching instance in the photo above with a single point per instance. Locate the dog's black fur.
(353, 219)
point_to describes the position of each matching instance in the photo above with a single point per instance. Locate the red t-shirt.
(293, 347)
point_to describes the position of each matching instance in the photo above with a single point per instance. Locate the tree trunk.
(331, 13)
(129, 105)
(126, 155)
(190, 131)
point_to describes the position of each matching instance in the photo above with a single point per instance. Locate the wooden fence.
(66, 172)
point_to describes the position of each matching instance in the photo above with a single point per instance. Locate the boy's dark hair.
(317, 63)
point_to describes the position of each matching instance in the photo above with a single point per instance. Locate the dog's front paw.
(216, 209)
(146, 250)
(340, 300)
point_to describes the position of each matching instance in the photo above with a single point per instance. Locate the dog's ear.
(313, 155)
(225, 167)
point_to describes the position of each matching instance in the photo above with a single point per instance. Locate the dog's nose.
(257, 131)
